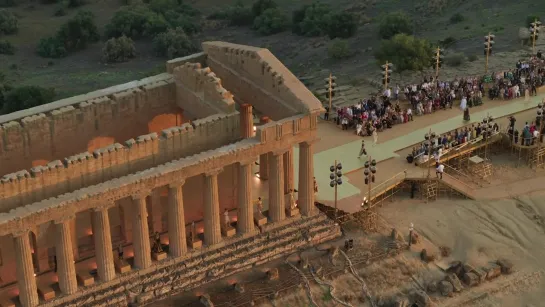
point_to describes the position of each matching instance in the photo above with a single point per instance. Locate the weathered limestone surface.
(171, 277)
(103, 243)
(66, 269)
(117, 160)
(166, 153)
(28, 292)
(176, 220)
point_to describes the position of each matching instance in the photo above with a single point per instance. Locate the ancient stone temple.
(139, 191)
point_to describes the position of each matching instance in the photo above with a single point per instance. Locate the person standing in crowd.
(362, 149)
(375, 137)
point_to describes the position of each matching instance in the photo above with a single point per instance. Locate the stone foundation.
(169, 277)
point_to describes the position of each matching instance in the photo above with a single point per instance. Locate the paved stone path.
(347, 153)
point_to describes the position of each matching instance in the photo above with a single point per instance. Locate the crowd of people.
(384, 110)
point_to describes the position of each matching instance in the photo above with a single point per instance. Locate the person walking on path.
(362, 150)
(375, 138)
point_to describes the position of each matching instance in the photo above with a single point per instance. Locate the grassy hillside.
(84, 71)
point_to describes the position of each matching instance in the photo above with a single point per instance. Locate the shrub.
(51, 47)
(271, 21)
(173, 43)
(315, 21)
(8, 22)
(472, 58)
(240, 15)
(447, 42)
(456, 18)
(455, 59)
(161, 6)
(395, 23)
(25, 97)
(78, 32)
(219, 15)
(531, 18)
(260, 6)
(129, 21)
(339, 49)
(6, 47)
(7, 3)
(343, 25)
(118, 50)
(60, 12)
(49, 1)
(186, 22)
(76, 3)
(155, 24)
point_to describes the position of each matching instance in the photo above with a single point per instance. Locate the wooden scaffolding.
(429, 190)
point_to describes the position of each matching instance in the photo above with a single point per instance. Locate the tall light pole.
(386, 73)
(488, 42)
(331, 92)
(438, 61)
(429, 146)
(336, 180)
(369, 171)
(534, 29)
(539, 123)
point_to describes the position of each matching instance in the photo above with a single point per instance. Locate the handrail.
(465, 175)
(404, 173)
(460, 181)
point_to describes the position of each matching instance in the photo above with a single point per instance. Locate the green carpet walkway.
(347, 153)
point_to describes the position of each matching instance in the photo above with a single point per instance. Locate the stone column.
(66, 269)
(103, 243)
(155, 212)
(288, 171)
(212, 228)
(245, 215)
(246, 121)
(74, 237)
(277, 209)
(26, 282)
(264, 158)
(177, 245)
(306, 179)
(141, 239)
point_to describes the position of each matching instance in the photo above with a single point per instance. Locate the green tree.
(240, 15)
(6, 47)
(129, 21)
(395, 23)
(260, 6)
(271, 21)
(342, 25)
(339, 49)
(5, 87)
(297, 18)
(118, 50)
(78, 32)
(8, 22)
(531, 18)
(406, 52)
(51, 47)
(315, 21)
(173, 43)
(24, 97)
(186, 22)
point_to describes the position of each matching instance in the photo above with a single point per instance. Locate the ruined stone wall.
(60, 129)
(200, 92)
(256, 76)
(172, 276)
(146, 151)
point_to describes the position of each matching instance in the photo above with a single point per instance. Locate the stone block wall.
(87, 122)
(200, 92)
(116, 160)
(171, 276)
(275, 90)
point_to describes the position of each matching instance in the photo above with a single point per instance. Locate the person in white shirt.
(439, 170)
(410, 114)
(375, 138)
